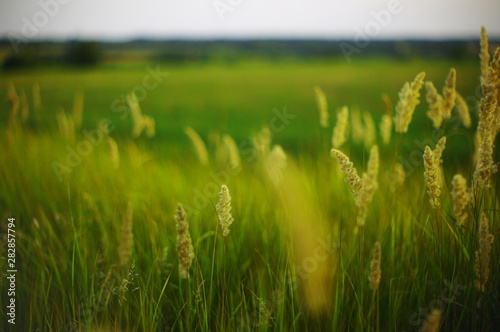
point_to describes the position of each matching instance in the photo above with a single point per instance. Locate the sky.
(329, 19)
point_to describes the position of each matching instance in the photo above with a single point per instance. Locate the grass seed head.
(184, 244)
(224, 210)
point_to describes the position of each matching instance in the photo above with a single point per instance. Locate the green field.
(295, 260)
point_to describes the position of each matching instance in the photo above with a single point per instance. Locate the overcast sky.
(124, 19)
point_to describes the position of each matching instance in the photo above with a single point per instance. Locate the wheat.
(483, 254)
(198, 144)
(435, 101)
(351, 175)
(460, 197)
(78, 109)
(357, 126)
(232, 152)
(375, 271)
(463, 110)
(276, 163)
(322, 107)
(385, 128)
(368, 187)
(432, 322)
(370, 134)
(184, 244)
(431, 177)
(113, 152)
(224, 210)
(340, 131)
(408, 100)
(127, 238)
(449, 93)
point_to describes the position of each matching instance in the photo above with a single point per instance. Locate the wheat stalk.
(184, 244)
(322, 107)
(340, 130)
(408, 100)
(224, 210)
(482, 263)
(199, 145)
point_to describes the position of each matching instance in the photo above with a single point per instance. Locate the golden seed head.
(184, 244)
(432, 177)
(322, 107)
(460, 197)
(224, 210)
(482, 263)
(375, 270)
(198, 144)
(340, 131)
(386, 128)
(463, 110)
(408, 100)
(351, 175)
(435, 101)
(449, 94)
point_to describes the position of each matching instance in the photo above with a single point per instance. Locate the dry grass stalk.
(408, 100)
(322, 107)
(184, 244)
(435, 101)
(386, 128)
(351, 175)
(198, 144)
(224, 210)
(484, 55)
(432, 177)
(340, 131)
(276, 163)
(487, 125)
(113, 152)
(463, 110)
(127, 238)
(370, 133)
(432, 322)
(369, 185)
(460, 197)
(375, 271)
(357, 126)
(233, 155)
(485, 239)
(449, 93)
(78, 109)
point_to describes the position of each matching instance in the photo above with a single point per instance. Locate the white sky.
(123, 19)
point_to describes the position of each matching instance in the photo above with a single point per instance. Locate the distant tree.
(83, 53)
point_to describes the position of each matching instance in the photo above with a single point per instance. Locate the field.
(96, 217)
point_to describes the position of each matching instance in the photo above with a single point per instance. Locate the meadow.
(93, 178)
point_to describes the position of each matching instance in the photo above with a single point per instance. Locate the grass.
(294, 259)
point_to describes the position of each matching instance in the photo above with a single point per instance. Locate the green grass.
(257, 278)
